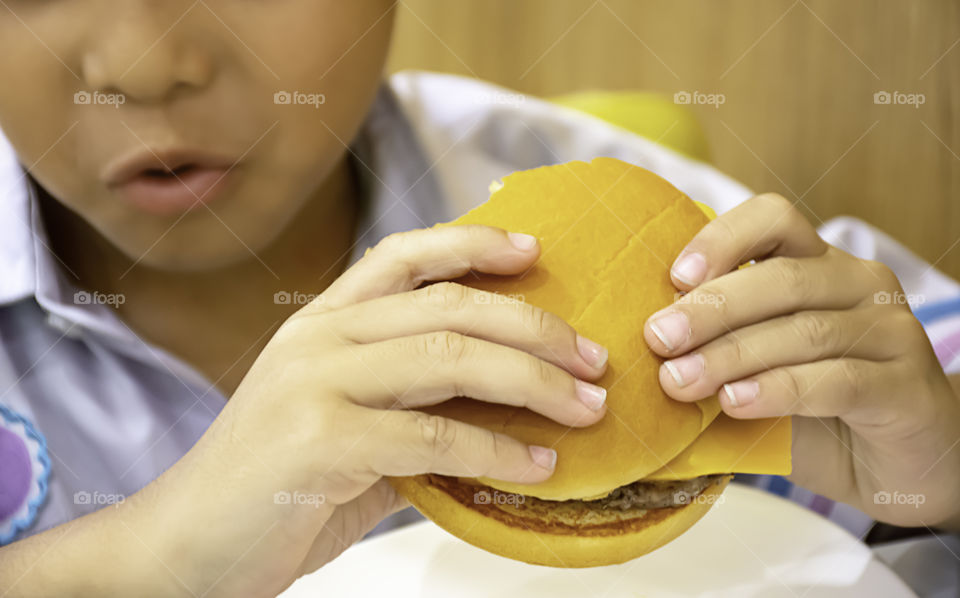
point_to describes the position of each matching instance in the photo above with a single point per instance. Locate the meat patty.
(645, 494)
(654, 494)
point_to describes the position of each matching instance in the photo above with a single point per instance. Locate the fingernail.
(685, 370)
(543, 457)
(522, 241)
(672, 329)
(690, 269)
(593, 353)
(591, 395)
(741, 394)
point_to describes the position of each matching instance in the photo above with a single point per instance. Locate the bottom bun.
(560, 534)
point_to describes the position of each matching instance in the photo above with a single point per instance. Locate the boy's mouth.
(169, 182)
(164, 173)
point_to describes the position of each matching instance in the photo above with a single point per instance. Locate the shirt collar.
(17, 253)
(28, 267)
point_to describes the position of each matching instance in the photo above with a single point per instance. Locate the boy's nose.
(139, 56)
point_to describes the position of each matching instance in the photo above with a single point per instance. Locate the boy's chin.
(193, 264)
(186, 257)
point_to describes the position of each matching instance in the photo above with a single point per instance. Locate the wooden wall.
(798, 76)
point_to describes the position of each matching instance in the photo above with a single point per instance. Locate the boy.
(182, 179)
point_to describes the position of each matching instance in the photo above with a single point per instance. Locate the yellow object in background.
(650, 115)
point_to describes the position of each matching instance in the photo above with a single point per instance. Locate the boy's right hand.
(291, 472)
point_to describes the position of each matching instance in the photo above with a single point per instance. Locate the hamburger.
(652, 466)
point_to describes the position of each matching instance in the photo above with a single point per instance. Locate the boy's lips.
(169, 182)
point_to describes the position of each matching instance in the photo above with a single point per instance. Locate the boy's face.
(91, 87)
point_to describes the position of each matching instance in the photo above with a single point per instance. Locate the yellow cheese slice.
(731, 445)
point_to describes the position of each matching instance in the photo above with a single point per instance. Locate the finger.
(417, 371)
(802, 337)
(775, 287)
(402, 261)
(828, 388)
(480, 314)
(410, 442)
(765, 226)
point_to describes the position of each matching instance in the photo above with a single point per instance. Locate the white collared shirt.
(116, 411)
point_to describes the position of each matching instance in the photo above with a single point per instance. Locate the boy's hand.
(291, 473)
(813, 332)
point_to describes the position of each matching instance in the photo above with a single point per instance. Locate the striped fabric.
(942, 322)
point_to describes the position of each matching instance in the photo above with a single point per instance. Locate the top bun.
(609, 232)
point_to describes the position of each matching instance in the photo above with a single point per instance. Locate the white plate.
(750, 544)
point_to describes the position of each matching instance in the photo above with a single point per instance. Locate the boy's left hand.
(814, 332)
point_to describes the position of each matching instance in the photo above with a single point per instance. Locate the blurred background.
(846, 107)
